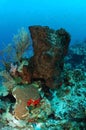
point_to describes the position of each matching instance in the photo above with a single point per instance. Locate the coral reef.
(50, 48)
(77, 56)
(26, 98)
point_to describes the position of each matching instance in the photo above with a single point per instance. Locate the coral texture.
(50, 48)
(22, 95)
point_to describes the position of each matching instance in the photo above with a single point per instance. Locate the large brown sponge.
(50, 48)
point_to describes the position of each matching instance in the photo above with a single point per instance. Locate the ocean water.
(28, 103)
(67, 14)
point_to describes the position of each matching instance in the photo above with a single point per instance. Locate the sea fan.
(21, 43)
(14, 51)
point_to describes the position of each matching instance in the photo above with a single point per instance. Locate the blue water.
(68, 14)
